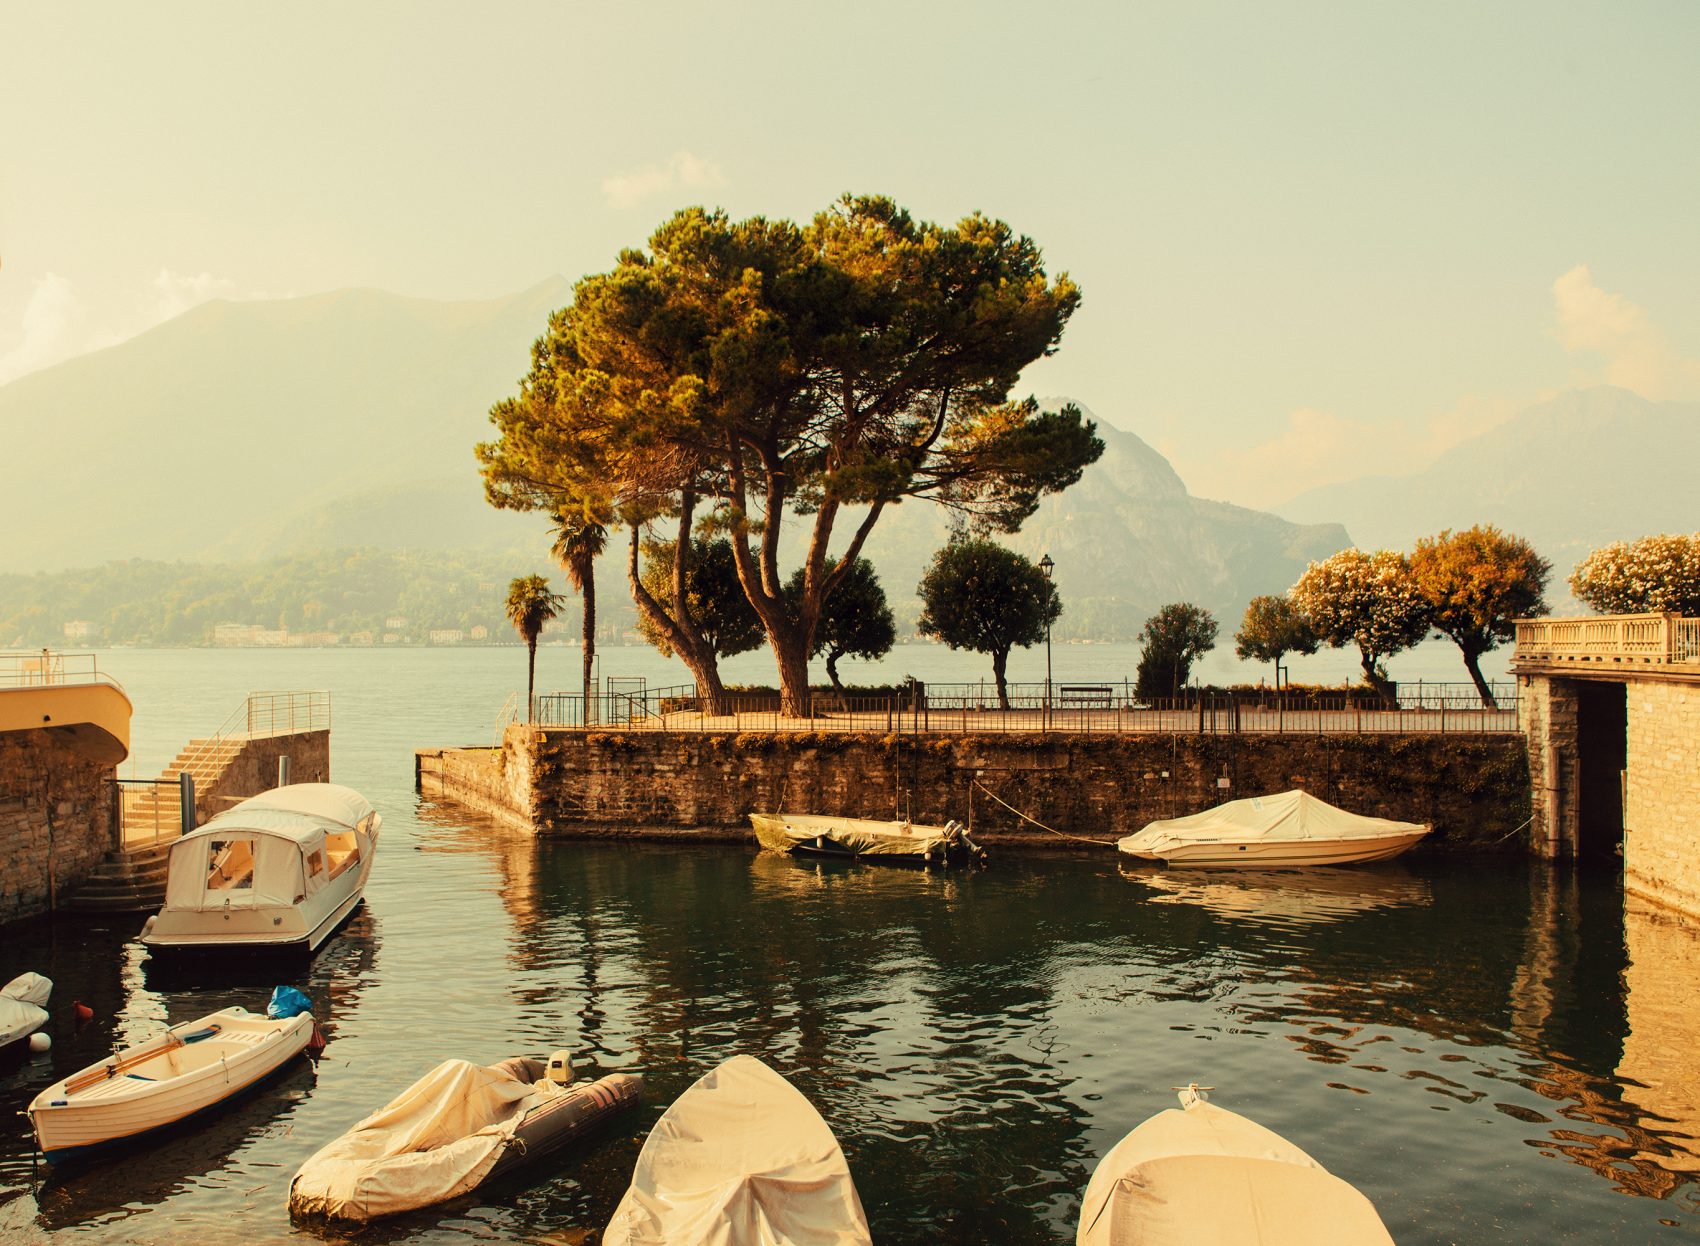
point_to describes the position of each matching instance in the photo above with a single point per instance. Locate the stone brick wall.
(1661, 816)
(1475, 789)
(55, 819)
(254, 770)
(1547, 716)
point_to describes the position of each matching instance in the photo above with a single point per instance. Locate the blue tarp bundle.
(287, 1002)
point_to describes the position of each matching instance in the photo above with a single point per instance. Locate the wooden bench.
(1086, 696)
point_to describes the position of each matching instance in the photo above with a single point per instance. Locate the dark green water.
(1492, 1053)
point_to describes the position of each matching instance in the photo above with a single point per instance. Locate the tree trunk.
(832, 671)
(1375, 679)
(1472, 663)
(1000, 660)
(792, 654)
(589, 636)
(530, 678)
(687, 643)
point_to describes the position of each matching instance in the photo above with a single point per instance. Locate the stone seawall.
(1474, 789)
(55, 819)
(1661, 810)
(254, 769)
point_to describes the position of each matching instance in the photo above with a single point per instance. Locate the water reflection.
(1469, 1044)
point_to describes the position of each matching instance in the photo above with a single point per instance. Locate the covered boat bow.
(740, 1158)
(1290, 829)
(817, 834)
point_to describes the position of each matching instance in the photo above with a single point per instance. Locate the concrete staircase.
(150, 819)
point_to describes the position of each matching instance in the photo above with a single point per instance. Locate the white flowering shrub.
(1362, 599)
(1634, 577)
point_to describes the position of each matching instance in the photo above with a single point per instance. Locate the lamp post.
(1047, 566)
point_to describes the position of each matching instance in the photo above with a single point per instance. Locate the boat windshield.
(230, 865)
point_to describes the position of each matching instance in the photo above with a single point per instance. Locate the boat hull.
(893, 843)
(115, 1110)
(1282, 854)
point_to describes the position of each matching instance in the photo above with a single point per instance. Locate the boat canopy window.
(230, 865)
(344, 851)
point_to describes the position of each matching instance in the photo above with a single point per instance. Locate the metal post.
(283, 771)
(186, 800)
(1049, 568)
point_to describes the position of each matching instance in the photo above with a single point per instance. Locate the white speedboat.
(280, 870)
(1204, 1176)
(188, 1069)
(23, 1010)
(459, 1127)
(740, 1157)
(1273, 832)
(822, 835)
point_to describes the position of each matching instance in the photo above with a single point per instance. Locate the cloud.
(1632, 351)
(56, 324)
(683, 172)
(51, 326)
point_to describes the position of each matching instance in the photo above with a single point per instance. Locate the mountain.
(252, 428)
(244, 434)
(1127, 539)
(1587, 467)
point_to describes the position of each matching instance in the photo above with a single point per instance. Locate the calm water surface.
(1492, 1053)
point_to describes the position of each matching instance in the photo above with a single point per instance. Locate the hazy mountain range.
(1582, 469)
(243, 431)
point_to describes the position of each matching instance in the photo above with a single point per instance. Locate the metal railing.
(261, 716)
(146, 812)
(1624, 639)
(1097, 709)
(43, 668)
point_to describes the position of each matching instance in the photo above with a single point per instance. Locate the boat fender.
(40, 1042)
(316, 1044)
(82, 1012)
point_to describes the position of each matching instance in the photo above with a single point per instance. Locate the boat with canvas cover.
(457, 1128)
(1273, 832)
(1200, 1175)
(280, 870)
(148, 1086)
(821, 835)
(23, 1011)
(740, 1158)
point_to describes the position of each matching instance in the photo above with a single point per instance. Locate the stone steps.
(124, 882)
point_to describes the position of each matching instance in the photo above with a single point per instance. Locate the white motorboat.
(823, 835)
(23, 1009)
(1273, 832)
(280, 870)
(740, 1157)
(460, 1126)
(1204, 1176)
(188, 1069)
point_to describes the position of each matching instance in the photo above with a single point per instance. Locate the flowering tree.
(1634, 577)
(1476, 584)
(1367, 600)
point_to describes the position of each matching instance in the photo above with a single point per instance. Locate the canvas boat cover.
(23, 1006)
(740, 1159)
(251, 854)
(1295, 815)
(438, 1139)
(1204, 1176)
(861, 836)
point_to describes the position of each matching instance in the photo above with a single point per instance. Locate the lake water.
(1492, 1052)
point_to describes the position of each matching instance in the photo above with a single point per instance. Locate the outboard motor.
(560, 1070)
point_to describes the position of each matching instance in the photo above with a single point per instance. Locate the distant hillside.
(250, 435)
(251, 428)
(1585, 468)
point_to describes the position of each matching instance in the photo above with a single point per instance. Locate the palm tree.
(579, 542)
(530, 606)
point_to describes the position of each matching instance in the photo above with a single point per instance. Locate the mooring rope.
(1513, 830)
(1109, 843)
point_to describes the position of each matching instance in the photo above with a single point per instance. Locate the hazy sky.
(1310, 236)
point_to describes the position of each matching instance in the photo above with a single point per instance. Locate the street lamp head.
(1047, 566)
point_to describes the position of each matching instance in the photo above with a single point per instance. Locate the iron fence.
(146, 812)
(1102, 709)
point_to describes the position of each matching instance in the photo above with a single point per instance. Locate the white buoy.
(40, 1042)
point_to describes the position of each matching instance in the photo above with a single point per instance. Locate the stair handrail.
(240, 723)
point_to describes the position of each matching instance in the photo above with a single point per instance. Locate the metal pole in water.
(186, 800)
(283, 771)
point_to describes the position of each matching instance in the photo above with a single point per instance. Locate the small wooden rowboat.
(820, 835)
(459, 1127)
(1204, 1176)
(188, 1069)
(741, 1157)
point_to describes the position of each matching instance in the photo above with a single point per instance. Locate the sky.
(1315, 240)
